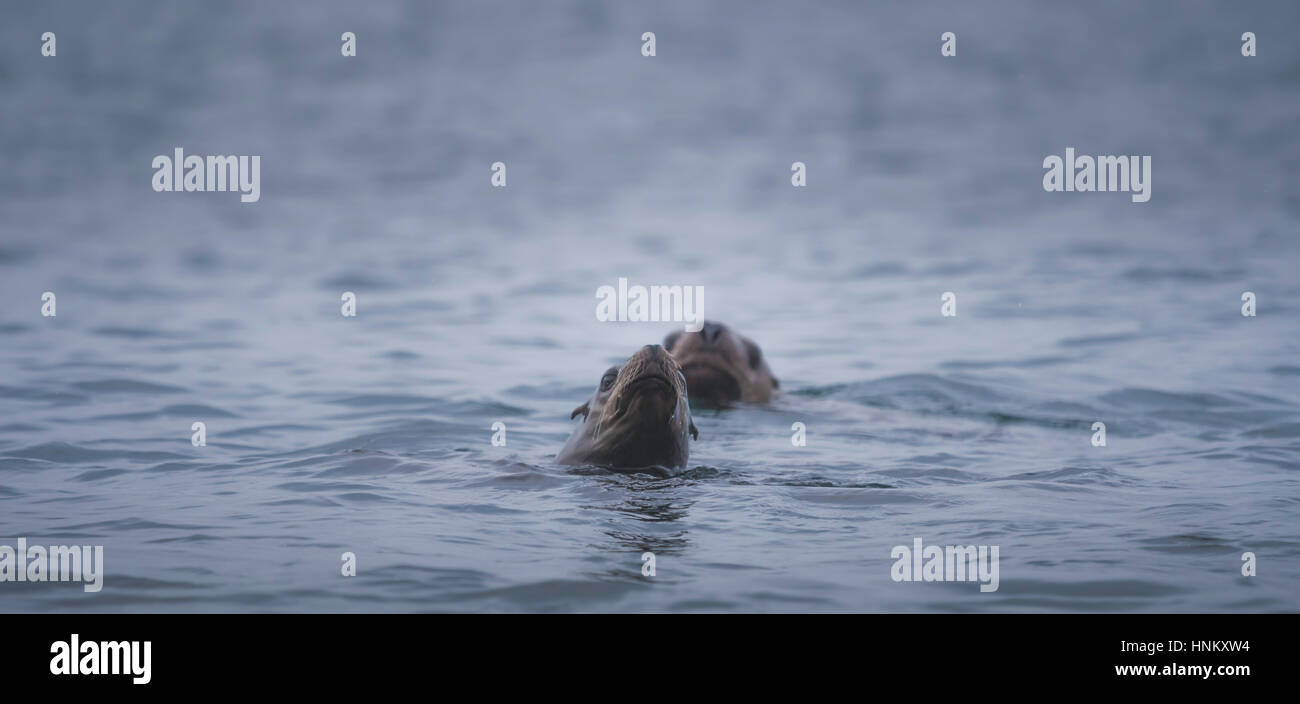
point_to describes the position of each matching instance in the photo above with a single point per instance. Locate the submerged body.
(721, 367)
(638, 417)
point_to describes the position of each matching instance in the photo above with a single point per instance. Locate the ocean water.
(475, 305)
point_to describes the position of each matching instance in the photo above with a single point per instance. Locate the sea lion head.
(721, 366)
(637, 417)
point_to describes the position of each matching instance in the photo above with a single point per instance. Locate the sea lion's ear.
(580, 409)
(694, 433)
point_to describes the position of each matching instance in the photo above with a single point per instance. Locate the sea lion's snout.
(652, 359)
(652, 352)
(650, 381)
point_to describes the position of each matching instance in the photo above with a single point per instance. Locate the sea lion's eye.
(671, 339)
(607, 381)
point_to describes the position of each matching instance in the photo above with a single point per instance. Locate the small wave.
(356, 282)
(1090, 340)
(97, 474)
(935, 395)
(183, 410)
(1147, 274)
(561, 593)
(1101, 476)
(1282, 430)
(1189, 543)
(126, 386)
(66, 453)
(40, 395)
(133, 333)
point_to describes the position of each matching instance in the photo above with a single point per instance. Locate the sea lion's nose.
(655, 351)
(710, 332)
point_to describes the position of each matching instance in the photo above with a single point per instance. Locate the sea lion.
(721, 366)
(638, 416)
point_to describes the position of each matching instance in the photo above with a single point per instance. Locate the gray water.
(372, 434)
